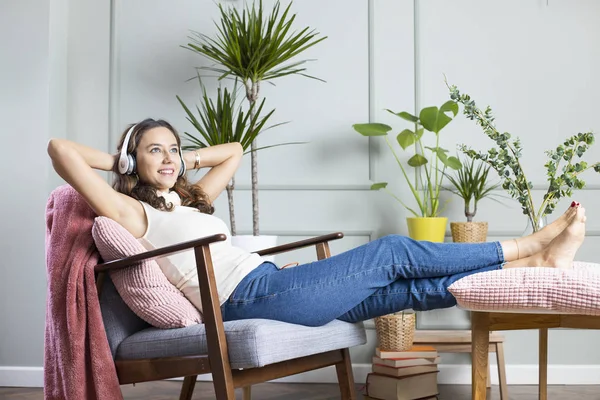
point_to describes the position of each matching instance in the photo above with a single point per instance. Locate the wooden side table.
(459, 341)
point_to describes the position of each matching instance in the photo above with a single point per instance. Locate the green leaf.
(433, 119)
(223, 121)
(380, 185)
(438, 150)
(404, 115)
(406, 138)
(372, 129)
(254, 46)
(417, 160)
(440, 153)
(419, 133)
(453, 162)
(450, 106)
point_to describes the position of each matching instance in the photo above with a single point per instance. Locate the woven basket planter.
(469, 232)
(395, 332)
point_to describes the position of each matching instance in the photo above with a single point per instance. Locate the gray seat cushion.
(251, 342)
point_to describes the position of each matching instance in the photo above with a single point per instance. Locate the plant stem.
(426, 190)
(468, 213)
(412, 189)
(252, 90)
(230, 187)
(437, 185)
(401, 202)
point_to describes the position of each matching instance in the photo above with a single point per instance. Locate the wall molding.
(364, 186)
(361, 186)
(450, 374)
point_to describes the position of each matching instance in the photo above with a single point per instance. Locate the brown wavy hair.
(191, 195)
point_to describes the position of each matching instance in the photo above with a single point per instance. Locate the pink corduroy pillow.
(143, 287)
(568, 291)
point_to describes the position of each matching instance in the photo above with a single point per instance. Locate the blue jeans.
(387, 275)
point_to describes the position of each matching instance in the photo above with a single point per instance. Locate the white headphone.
(127, 161)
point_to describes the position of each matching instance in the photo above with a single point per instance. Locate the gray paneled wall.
(109, 64)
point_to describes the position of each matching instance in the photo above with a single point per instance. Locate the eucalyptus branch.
(502, 161)
(506, 160)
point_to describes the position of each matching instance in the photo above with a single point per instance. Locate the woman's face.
(157, 158)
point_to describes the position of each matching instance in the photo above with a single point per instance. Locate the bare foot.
(537, 241)
(561, 251)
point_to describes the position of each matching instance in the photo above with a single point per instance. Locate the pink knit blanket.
(78, 363)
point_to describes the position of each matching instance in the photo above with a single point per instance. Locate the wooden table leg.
(543, 368)
(480, 322)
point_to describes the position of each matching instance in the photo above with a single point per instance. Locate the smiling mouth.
(166, 171)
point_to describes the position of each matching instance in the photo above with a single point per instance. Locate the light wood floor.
(305, 391)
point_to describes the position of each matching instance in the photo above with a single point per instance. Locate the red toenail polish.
(573, 204)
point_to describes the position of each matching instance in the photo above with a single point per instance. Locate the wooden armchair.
(214, 347)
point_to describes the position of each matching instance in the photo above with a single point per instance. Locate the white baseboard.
(22, 376)
(458, 374)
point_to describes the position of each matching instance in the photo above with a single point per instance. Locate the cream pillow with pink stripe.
(572, 291)
(144, 287)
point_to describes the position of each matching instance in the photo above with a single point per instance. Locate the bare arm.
(223, 161)
(75, 163)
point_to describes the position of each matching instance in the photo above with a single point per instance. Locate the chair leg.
(501, 371)
(488, 383)
(543, 364)
(187, 389)
(247, 393)
(345, 377)
(480, 345)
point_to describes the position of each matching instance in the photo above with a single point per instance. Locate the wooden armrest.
(300, 244)
(176, 248)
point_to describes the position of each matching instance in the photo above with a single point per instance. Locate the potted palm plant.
(471, 184)
(224, 121)
(429, 173)
(255, 48)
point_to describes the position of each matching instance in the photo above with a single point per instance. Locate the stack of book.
(404, 375)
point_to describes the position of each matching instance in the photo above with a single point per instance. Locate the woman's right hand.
(75, 163)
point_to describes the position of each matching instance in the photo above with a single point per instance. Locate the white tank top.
(231, 264)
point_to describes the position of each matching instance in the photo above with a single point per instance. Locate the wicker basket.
(395, 332)
(469, 232)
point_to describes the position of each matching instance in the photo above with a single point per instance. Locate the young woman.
(154, 201)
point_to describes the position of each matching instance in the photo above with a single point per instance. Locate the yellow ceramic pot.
(431, 229)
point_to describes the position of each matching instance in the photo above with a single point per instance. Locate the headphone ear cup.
(130, 164)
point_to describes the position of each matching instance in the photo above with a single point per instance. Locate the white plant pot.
(255, 243)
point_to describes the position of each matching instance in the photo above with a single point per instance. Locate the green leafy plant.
(427, 182)
(255, 48)
(471, 184)
(505, 159)
(225, 122)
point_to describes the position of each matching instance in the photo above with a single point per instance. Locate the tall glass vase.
(530, 228)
